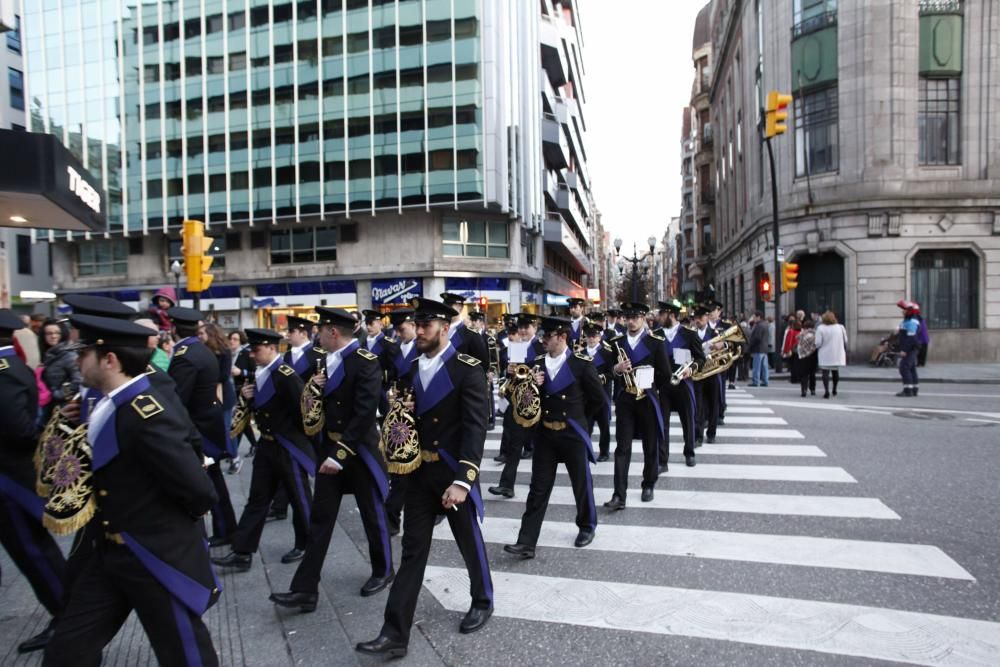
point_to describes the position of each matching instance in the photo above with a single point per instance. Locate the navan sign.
(43, 185)
(399, 290)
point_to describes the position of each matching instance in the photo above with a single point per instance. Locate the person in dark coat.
(151, 495)
(60, 373)
(286, 453)
(22, 534)
(450, 404)
(602, 355)
(349, 461)
(195, 371)
(462, 338)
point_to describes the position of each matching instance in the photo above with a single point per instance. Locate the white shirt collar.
(554, 364)
(263, 373)
(453, 329)
(634, 340)
(429, 366)
(297, 352)
(104, 409)
(405, 347)
(334, 359)
(671, 333)
(591, 351)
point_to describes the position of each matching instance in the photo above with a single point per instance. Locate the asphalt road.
(855, 530)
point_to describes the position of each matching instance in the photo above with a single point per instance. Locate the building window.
(16, 79)
(812, 15)
(304, 245)
(946, 285)
(24, 255)
(476, 238)
(939, 121)
(103, 258)
(816, 132)
(218, 251)
(530, 249)
(14, 36)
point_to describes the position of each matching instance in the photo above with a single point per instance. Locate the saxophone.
(242, 414)
(313, 416)
(399, 441)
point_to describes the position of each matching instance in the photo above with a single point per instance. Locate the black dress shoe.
(382, 645)
(394, 525)
(501, 491)
(276, 516)
(709, 439)
(38, 642)
(293, 555)
(376, 584)
(239, 562)
(216, 541)
(474, 620)
(500, 458)
(301, 601)
(615, 504)
(603, 456)
(689, 460)
(523, 550)
(647, 494)
(584, 538)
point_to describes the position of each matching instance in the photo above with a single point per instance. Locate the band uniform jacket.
(387, 351)
(684, 339)
(195, 371)
(167, 388)
(350, 398)
(152, 491)
(310, 359)
(18, 407)
(650, 351)
(572, 398)
(467, 341)
(451, 415)
(279, 417)
(534, 353)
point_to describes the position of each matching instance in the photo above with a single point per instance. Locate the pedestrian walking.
(831, 346)
(909, 347)
(772, 357)
(789, 348)
(757, 346)
(60, 372)
(923, 338)
(806, 350)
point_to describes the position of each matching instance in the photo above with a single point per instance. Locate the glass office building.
(319, 123)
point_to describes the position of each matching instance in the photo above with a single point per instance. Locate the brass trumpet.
(628, 377)
(313, 416)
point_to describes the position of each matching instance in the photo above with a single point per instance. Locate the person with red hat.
(909, 347)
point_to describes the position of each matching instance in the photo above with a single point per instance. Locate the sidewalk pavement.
(246, 628)
(957, 373)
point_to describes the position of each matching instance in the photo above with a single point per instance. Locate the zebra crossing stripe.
(718, 501)
(826, 627)
(721, 432)
(765, 473)
(720, 450)
(804, 551)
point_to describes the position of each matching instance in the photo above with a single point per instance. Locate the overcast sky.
(637, 57)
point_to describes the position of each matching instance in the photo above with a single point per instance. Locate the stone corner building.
(889, 175)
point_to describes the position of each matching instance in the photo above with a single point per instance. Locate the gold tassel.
(73, 523)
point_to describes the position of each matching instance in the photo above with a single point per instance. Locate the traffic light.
(777, 113)
(194, 243)
(765, 287)
(484, 302)
(789, 276)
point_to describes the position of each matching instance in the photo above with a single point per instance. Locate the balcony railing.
(814, 24)
(940, 7)
(707, 196)
(706, 134)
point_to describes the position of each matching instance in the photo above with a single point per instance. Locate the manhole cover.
(916, 414)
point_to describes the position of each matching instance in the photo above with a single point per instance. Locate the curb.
(896, 380)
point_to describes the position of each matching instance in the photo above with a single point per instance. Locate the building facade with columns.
(341, 152)
(889, 175)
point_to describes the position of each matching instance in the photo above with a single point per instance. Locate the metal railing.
(814, 24)
(940, 7)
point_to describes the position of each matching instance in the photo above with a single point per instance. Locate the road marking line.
(723, 501)
(827, 627)
(765, 473)
(799, 550)
(721, 450)
(721, 432)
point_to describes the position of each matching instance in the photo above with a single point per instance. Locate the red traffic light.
(483, 303)
(765, 286)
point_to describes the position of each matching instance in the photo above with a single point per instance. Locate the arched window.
(946, 285)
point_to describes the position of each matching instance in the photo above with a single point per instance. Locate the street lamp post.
(175, 268)
(634, 260)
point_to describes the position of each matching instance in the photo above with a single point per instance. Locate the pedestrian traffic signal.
(765, 286)
(483, 303)
(789, 276)
(194, 244)
(777, 113)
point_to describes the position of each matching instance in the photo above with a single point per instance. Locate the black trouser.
(922, 356)
(720, 378)
(679, 398)
(35, 553)
(604, 428)
(330, 491)
(280, 503)
(551, 449)
(518, 438)
(807, 373)
(908, 368)
(424, 489)
(707, 391)
(111, 585)
(223, 514)
(630, 414)
(273, 468)
(394, 501)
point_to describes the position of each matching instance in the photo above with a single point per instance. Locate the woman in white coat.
(831, 346)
